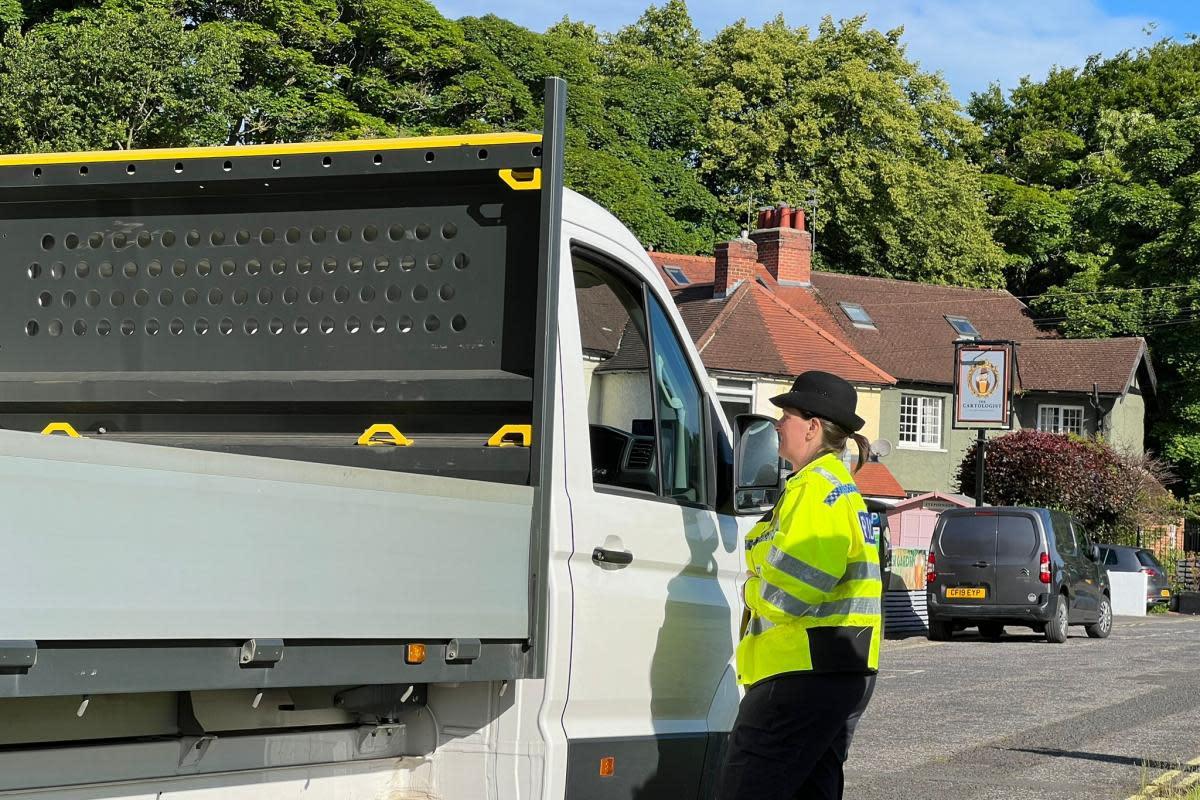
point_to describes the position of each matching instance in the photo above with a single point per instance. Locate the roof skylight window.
(677, 275)
(858, 315)
(963, 327)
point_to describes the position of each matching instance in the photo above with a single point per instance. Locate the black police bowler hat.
(821, 394)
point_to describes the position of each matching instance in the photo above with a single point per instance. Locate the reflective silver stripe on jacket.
(839, 488)
(798, 608)
(861, 571)
(802, 571)
(766, 537)
(827, 475)
(759, 625)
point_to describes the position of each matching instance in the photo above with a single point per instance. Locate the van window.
(646, 427)
(1081, 537)
(680, 413)
(616, 371)
(1017, 538)
(1110, 557)
(969, 537)
(1064, 535)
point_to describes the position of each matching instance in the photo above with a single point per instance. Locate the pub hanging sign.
(983, 384)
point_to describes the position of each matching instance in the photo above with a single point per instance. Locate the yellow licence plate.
(1166, 592)
(970, 593)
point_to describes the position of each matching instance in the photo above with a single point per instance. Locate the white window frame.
(1057, 426)
(928, 437)
(736, 390)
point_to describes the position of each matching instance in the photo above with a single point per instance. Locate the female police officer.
(811, 648)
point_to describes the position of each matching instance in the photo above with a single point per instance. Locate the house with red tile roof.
(752, 341)
(760, 313)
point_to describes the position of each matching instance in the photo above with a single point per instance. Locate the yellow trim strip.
(295, 148)
(398, 439)
(524, 431)
(61, 427)
(522, 179)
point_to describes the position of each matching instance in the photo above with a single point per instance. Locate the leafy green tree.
(846, 112)
(114, 78)
(1038, 228)
(1095, 188)
(12, 14)
(634, 121)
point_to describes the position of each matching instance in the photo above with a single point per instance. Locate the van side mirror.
(758, 478)
(1094, 552)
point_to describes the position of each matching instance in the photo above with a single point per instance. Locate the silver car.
(1118, 558)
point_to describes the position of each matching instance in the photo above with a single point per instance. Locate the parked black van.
(996, 566)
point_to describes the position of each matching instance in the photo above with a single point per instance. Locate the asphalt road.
(1021, 718)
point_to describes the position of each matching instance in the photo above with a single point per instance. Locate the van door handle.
(602, 555)
(981, 564)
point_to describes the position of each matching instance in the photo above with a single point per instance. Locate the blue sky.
(972, 42)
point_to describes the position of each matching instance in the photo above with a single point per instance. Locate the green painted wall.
(1124, 417)
(919, 469)
(1127, 423)
(935, 470)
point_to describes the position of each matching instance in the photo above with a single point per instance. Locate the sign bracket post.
(980, 449)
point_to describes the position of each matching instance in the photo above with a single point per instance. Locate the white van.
(354, 499)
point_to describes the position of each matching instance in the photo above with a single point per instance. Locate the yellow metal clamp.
(61, 427)
(521, 179)
(397, 439)
(499, 437)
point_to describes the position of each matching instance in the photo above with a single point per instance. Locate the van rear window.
(1017, 538)
(968, 536)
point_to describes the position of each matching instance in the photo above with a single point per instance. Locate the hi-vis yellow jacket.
(816, 594)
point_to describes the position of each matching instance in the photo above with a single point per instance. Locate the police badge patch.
(868, 529)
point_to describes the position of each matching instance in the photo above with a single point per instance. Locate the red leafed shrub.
(1110, 492)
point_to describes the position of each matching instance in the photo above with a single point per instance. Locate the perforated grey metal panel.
(370, 267)
(345, 289)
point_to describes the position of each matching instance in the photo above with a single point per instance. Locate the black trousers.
(792, 736)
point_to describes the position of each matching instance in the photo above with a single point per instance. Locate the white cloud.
(971, 43)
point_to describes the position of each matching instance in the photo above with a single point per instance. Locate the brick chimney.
(737, 261)
(784, 246)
